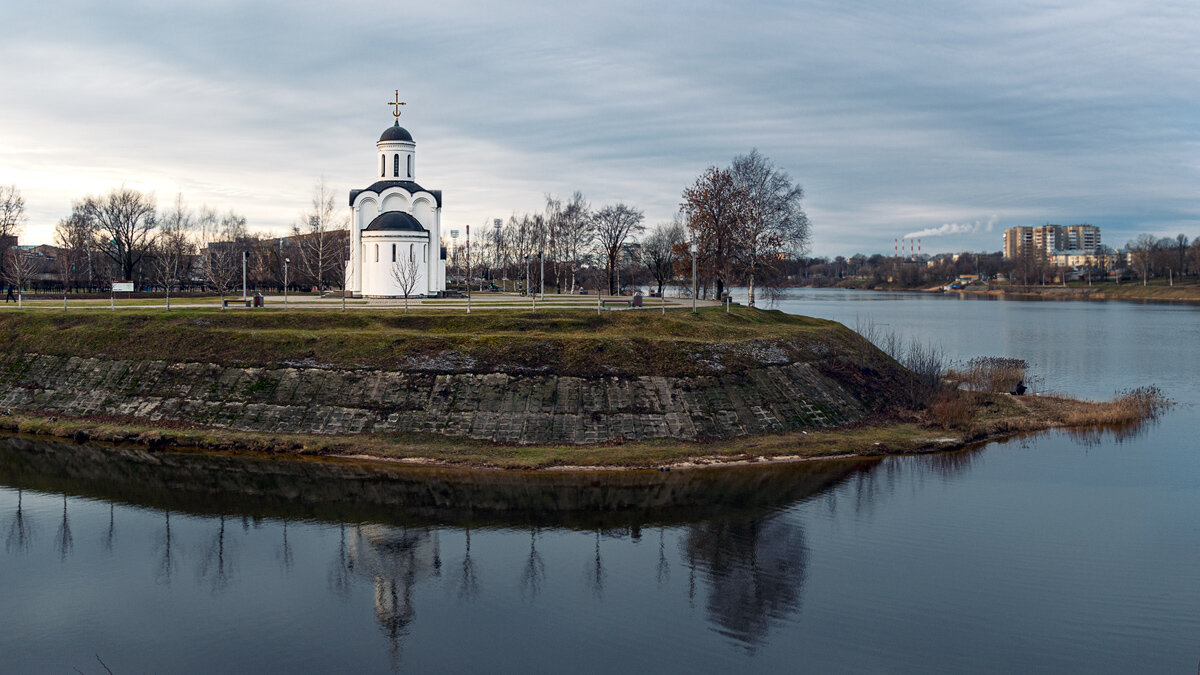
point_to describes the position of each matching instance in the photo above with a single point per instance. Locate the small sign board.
(122, 287)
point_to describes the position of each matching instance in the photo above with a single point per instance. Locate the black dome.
(396, 133)
(395, 220)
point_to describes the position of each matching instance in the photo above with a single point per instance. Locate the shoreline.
(1177, 295)
(996, 417)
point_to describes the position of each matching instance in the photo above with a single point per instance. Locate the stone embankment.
(499, 407)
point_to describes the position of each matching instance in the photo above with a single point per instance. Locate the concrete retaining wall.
(518, 409)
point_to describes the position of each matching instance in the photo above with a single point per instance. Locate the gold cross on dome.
(396, 106)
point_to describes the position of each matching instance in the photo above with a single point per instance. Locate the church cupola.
(396, 151)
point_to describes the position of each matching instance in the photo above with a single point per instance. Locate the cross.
(396, 106)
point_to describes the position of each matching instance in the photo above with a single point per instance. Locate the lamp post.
(695, 290)
(244, 253)
(542, 274)
(285, 281)
(468, 269)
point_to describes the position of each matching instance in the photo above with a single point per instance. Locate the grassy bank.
(575, 342)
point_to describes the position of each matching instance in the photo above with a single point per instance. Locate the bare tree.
(171, 258)
(218, 259)
(323, 237)
(75, 238)
(19, 268)
(12, 219)
(770, 221)
(1180, 245)
(406, 271)
(710, 207)
(1141, 254)
(614, 224)
(576, 229)
(660, 250)
(126, 220)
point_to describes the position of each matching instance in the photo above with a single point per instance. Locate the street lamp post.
(285, 280)
(244, 296)
(468, 269)
(695, 290)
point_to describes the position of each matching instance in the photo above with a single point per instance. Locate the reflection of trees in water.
(110, 536)
(64, 541)
(20, 530)
(217, 562)
(284, 553)
(664, 567)
(342, 569)
(167, 563)
(468, 584)
(754, 569)
(534, 572)
(868, 489)
(596, 574)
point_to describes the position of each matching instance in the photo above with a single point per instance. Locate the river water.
(1053, 553)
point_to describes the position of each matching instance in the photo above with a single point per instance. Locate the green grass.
(566, 341)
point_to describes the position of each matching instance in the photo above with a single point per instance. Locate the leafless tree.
(576, 229)
(323, 237)
(1141, 254)
(219, 259)
(19, 268)
(1180, 245)
(660, 250)
(771, 223)
(406, 271)
(172, 248)
(171, 259)
(12, 219)
(75, 237)
(126, 220)
(1193, 256)
(710, 208)
(614, 224)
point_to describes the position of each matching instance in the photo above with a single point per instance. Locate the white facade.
(393, 221)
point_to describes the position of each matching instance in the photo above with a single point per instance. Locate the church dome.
(395, 221)
(396, 133)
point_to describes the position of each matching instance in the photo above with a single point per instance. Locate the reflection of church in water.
(395, 559)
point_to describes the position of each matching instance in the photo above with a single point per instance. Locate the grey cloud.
(896, 117)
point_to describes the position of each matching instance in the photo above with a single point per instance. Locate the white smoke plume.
(955, 228)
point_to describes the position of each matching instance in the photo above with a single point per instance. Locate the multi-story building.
(1050, 238)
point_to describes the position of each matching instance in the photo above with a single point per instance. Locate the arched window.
(382, 166)
(410, 253)
(396, 166)
(393, 253)
(376, 252)
(410, 166)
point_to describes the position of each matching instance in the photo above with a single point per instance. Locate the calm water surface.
(1054, 553)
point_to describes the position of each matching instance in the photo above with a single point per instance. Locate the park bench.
(616, 301)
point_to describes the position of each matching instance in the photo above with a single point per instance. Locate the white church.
(393, 221)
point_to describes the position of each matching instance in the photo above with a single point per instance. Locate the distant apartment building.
(1051, 239)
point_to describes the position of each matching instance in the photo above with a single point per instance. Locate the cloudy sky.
(944, 120)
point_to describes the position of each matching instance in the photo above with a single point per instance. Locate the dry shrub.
(1130, 405)
(994, 374)
(951, 410)
(926, 362)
